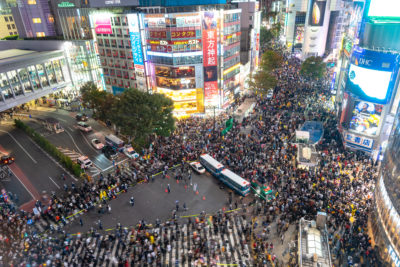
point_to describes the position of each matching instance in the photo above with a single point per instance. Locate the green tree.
(261, 82)
(265, 36)
(98, 100)
(313, 67)
(139, 114)
(271, 60)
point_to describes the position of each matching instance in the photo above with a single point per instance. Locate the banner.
(102, 24)
(135, 39)
(210, 58)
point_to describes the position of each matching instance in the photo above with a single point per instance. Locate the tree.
(139, 114)
(265, 36)
(261, 82)
(271, 60)
(313, 67)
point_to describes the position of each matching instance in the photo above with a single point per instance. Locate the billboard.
(102, 24)
(316, 13)
(135, 39)
(384, 9)
(210, 58)
(366, 117)
(370, 75)
(358, 142)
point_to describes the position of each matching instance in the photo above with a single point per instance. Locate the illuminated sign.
(179, 95)
(158, 34)
(180, 42)
(66, 4)
(102, 24)
(384, 9)
(183, 34)
(135, 39)
(231, 68)
(393, 256)
(359, 141)
(366, 117)
(317, 13)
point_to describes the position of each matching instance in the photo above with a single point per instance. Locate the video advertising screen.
(366, 117)
(317, 13)
(384, 8)
(369, 84)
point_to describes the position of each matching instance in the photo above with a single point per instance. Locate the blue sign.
(117, 90)
(333, 82)
(359, 142)
(136, 48)
(29, 221)
(372, 75)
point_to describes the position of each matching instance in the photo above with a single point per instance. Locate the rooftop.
(10, 53)
(16, 58)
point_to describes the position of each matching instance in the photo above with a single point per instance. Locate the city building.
(386, 218)
(26, 75)
(7, 25)
(34, 18)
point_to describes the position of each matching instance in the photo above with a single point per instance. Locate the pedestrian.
(109, 208)
(169, 188)
(132, 201)
(100, 225)
(80, 221)
(184, 206)
(177, 205)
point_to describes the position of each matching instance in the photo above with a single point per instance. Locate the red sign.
(158, 34)
(210, 47)
(183, 34)
(211, 93)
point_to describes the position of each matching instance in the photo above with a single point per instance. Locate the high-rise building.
(34, 18)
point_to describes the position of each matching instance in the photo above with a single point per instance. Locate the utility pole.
(214, 121)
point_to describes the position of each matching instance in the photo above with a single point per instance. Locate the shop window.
(51, 19)
(37, 20)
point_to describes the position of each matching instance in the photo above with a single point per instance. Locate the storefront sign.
(135, 39)
(66, 4)
(359, 140)
(158, 34)
(210, 58)
(187, 21)
(183, 34)
(393, 256)
(180, 42)
(102, 24)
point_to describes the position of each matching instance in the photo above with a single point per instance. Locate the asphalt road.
(152, 202)
(34, 172)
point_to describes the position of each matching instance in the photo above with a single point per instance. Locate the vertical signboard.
(210, 58)
(135, 40)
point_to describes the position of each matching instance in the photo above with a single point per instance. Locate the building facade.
(34, 18)
(7, 25)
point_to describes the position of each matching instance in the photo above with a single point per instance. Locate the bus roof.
(234, 177)
(113, 138)
(216, 164)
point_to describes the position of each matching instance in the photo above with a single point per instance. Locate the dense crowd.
(258, 147)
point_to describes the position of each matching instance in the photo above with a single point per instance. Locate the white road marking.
(55, 183)
(19, 145)
(74, 142)
(90, 145)
(70, 129)
(106, 169)
(62, 120)
(23, 184)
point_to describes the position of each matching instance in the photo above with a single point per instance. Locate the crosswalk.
(73, 155)
(188, 245)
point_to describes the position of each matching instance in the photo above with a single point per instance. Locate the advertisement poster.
(135, 40)
(317, 13)
(210, 58)
(102, 24)
(355, 19)
(366, 117)
(299, 39)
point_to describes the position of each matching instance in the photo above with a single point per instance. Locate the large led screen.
(317, 13)
(366, 117)
(369, 83)
(384, 8)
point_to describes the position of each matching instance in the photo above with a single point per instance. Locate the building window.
(9, 26)
(10, 33)
(40, 34)
(6, 19)
(51, 19)
(15, 33)
(31, 2)
(37, 20)
(13, 26)
(10, 18)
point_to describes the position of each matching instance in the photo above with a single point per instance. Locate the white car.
(97, 144)
(84, 127)
(197, 167)
(130, 152)
(84, 162)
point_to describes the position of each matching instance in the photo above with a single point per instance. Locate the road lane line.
(20, 145)
(84, 137)
(19, 179)
(74, 142)
(70, 129)
(55, 183)
(62, 120)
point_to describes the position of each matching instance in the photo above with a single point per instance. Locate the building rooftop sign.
(66, 4)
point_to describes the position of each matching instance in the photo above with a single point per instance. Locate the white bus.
(114, 141)
(235, 182)
(211, 165)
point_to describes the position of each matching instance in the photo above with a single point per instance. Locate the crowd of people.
(259, 147)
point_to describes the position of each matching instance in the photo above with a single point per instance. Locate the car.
(6, 159)
(97, 144)
(109, 152)
(84, 127)
(130, 152)
(81, 117)
(84, 162)
(197, 167)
